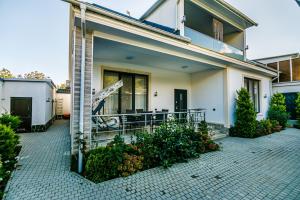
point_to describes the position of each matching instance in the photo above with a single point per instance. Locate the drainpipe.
(82, 70)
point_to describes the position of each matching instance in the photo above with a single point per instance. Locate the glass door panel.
(141, 92)
(112, 102)
(126, 92)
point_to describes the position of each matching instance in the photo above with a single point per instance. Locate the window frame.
(248, 79)
(133, 75)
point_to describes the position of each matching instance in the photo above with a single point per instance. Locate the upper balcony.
(210, 43)
(210, 31)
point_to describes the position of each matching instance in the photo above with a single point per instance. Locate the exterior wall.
(236, 81)
(75, 87)
(208, 93)
(41, 110)
(286, 88)
(160, 80)
(49, 114)
(66, 98)
(165, 14)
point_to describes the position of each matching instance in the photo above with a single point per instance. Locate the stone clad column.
(76, 71)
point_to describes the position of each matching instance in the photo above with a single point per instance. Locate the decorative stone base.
(42, 127)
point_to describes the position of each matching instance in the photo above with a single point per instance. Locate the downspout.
(82, 73)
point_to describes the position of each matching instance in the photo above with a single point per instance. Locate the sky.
(34, 33)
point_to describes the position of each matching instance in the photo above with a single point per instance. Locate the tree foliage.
(5, 73)
(245, 124)
(35, 75)
(297, 101)
(278, 102)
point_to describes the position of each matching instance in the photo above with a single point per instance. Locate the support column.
(278, 74)
(76, 85)
(291, 69)
(226, 99)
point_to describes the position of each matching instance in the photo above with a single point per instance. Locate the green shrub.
(297, 102)
(115, 160)
(10, 121)
(8, 143)
(245, 124)
(280, 116)
(264, 127)
(278, 102)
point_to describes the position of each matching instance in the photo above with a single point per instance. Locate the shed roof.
(47, 81)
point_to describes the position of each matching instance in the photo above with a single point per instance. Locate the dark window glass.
(253, 88)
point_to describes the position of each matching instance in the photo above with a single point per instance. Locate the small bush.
(10, 121)
(264, 127)
(297, 102)
(278, 102)
(279, 116)
(115, 160)
(245, 124)
(8, 143)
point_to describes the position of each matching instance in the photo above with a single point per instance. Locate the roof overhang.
(217, 4)
(23, 80)
(120, 24)
(279, 58)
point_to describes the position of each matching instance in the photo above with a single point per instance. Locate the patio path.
(262, 168)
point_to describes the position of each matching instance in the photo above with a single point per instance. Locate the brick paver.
(262, 168)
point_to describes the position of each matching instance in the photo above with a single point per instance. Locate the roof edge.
(48, 81)
(156, 5)
(279, 56)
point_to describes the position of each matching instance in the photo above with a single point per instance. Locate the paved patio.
(263, 168)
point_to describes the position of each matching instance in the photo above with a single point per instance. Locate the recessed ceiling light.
(184, 67)
(129, 57)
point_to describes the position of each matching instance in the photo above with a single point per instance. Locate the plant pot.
(277, 128)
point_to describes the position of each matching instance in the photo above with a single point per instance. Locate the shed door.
(22, 107)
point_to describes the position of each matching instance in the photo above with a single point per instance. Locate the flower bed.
(170, 143)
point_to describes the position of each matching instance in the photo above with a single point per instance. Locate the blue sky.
(35, 36)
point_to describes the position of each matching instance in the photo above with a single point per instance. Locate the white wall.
(39, 91)
(160, 80)
(208, 93)
(66, 98)
(236, 82)
(49, 111)
(286, 88)
(165, 14)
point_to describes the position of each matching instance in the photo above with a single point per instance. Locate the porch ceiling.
(111, 51)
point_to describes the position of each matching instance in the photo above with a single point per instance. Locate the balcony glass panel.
(213, 44)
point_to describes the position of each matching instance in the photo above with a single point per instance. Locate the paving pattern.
(262, 168)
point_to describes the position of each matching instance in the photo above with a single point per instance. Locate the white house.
(180, 55)
(287, 80)
(31, 100)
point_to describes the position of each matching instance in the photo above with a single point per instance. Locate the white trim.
(170, 41)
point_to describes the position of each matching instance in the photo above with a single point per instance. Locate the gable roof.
(155, 25)
(223, 3)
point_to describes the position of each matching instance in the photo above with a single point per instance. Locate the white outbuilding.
(30, 99)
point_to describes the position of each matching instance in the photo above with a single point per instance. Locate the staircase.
(217, 131)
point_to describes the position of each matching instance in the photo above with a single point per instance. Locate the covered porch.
(157, 86)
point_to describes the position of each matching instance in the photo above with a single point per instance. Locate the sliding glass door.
(133, 95)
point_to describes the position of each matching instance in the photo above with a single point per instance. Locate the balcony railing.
(210, 43)
(106, 127)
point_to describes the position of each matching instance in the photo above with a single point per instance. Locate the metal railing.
(106, 127)
(208, 42)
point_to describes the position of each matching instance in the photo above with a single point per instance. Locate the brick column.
(76, 90)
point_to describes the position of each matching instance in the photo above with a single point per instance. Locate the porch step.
(217, 131)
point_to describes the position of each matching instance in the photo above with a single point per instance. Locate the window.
(133, 95)
(218, 30)
(252, 86)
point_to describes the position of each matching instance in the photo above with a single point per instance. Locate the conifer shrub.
(245, 124)
(277, 110)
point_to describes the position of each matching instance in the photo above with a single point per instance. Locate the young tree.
(245, 124)
(35, 75)
(278, 102)
(5, 73)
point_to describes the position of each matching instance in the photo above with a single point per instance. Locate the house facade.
(287, 80)
(180, 55)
